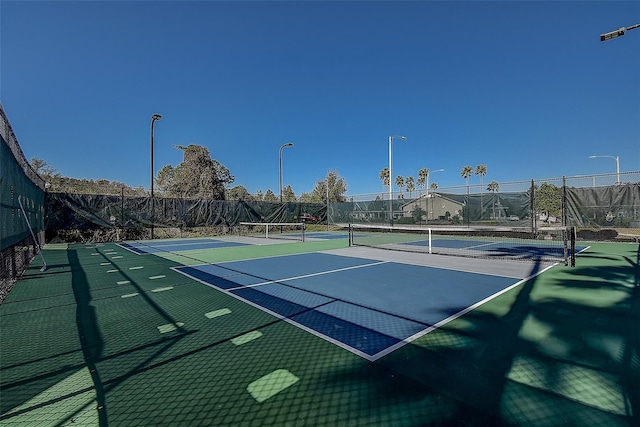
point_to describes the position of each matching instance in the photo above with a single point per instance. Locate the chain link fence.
(601, 207)
(19, 184)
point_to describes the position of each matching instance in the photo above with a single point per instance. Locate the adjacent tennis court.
(177, 245)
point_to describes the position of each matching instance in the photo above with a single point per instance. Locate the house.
(433, 206)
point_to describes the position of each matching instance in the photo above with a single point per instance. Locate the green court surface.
(105, 337)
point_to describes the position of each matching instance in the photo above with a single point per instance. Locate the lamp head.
(288, 144)
(156, 117)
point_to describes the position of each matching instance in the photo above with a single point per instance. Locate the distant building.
(433, 206)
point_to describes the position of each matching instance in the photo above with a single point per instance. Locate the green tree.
(45, 170)
(57, 183)
(411, 185)
(465, 173)
(270, 196)
(198, 175)
(239, 193)
(400, 183)
(417, 214)
(494, 187)
(288, 195)
(423, 175)
(481, 170)
(306, 198)
(384, 176)
(259, 196)
(165, 180)
(434, 186)
(337, 187)
(548, 199)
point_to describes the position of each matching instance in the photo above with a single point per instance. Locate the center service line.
(307, 275)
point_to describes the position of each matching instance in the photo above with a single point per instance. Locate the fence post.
(564, 201)
(532, 207)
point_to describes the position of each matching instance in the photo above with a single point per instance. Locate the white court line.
(479, 246)
(454, 316)
(344, 345)
(163, 245)
(307, 275)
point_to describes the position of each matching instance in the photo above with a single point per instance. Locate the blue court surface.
(367, 306)
(156, 246)
(326, 235)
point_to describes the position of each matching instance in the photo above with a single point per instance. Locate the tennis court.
(224, 331)
(357, 303)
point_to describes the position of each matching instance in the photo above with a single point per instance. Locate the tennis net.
(548, 243)
(273, 230)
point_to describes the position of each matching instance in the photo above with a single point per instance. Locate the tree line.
(197, 176)
(422, 180)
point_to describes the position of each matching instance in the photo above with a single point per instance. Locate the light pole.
(617, 159)
(617, 33)
(391, 176)
(429, 172)
(154, 118)
(327, 201)
(287, 145)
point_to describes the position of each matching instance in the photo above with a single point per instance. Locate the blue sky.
(525, 88)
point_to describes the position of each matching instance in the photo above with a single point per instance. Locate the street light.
(154, 118)
(404, 138)
(617, 159)
(617, 33)
(429, 172)
(287, 145)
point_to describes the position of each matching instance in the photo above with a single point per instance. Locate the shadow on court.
(567, 350)
(560, 349)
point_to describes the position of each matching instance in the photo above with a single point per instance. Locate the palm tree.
(482, 171)
(494, 187)
(433, 187)
(400, 184)
(411, 185)
(466, 172)
(384, 176)
(423, 174)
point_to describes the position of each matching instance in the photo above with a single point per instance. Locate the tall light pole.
(327, 201)
(617, 159)
(154, 118)
(429, 172)
(391, 176)
(287, 145)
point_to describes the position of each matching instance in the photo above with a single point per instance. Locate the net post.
(532, 209)
(303, 229)
(429, 240)
(266, 231)
(564, 201)
(565, 246)
(350, 235)
(572, 230)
